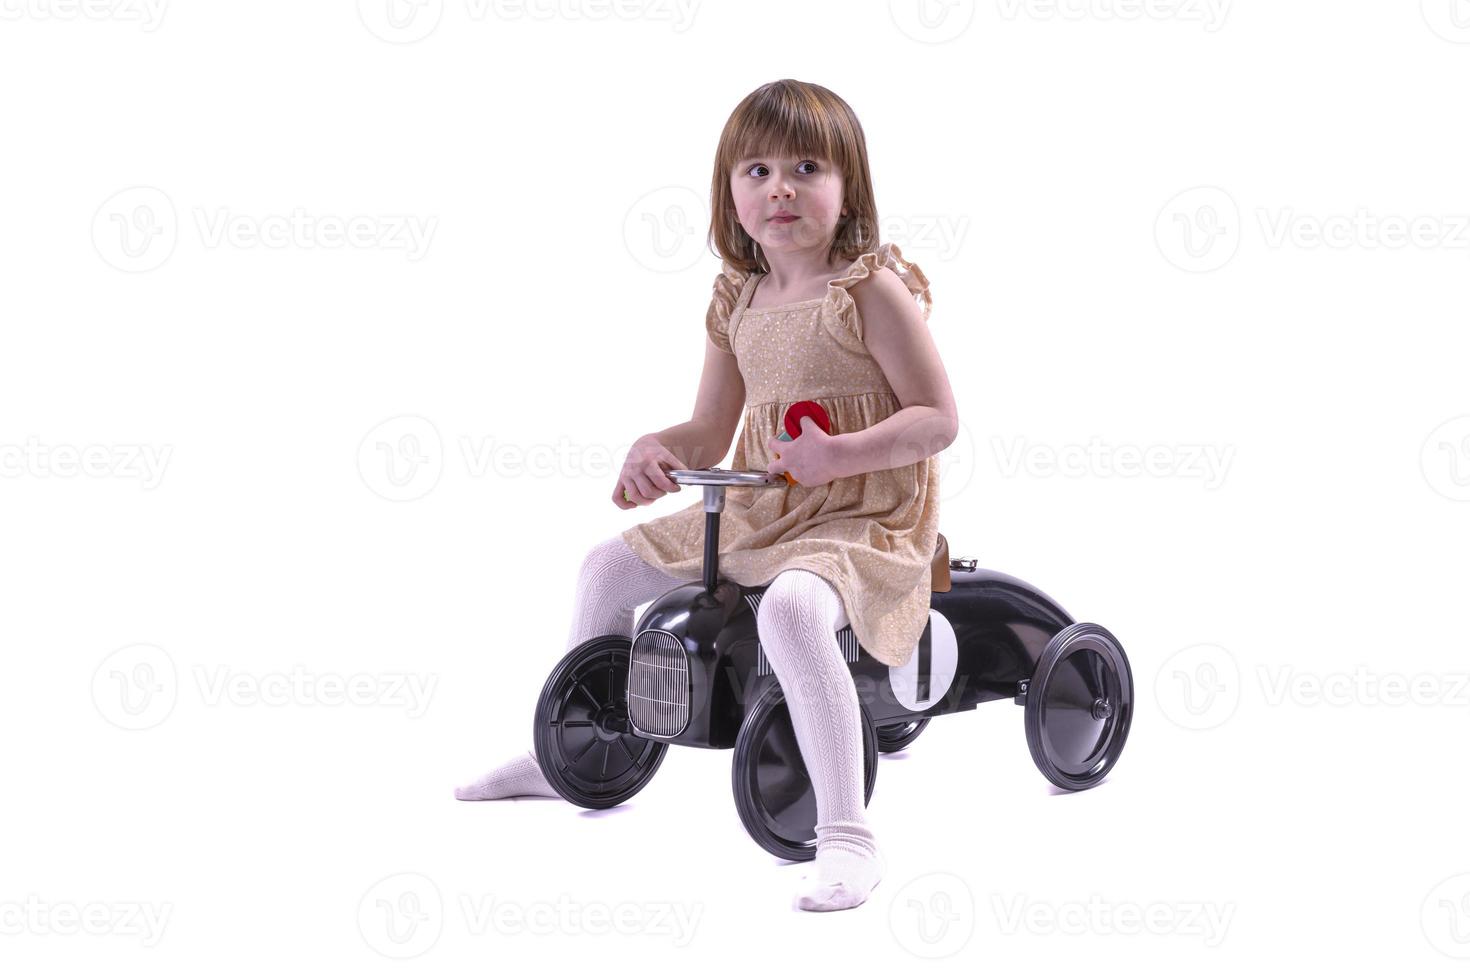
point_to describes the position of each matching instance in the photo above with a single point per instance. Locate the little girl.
(808, 306)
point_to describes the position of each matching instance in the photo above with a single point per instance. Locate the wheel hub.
(1102, 709)
(609, 722)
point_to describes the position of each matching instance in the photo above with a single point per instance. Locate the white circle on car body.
(930, 670)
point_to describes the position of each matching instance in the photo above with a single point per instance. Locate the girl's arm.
(703, 441)
(896, 335)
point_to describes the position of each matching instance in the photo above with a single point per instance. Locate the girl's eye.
(762, 166)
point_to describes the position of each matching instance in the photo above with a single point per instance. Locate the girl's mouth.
(786, 219)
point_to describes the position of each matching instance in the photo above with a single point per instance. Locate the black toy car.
(694, 673)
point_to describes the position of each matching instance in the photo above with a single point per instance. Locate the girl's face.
(808, 187)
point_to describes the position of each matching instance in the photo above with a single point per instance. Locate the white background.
(1175, 229)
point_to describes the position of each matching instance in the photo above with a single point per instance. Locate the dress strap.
(743, 300)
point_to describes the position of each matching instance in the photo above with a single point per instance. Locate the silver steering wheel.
(716, 477)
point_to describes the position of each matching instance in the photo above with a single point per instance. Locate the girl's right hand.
(643, 476)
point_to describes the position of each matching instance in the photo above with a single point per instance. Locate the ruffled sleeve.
(839, 312)
(725, 294)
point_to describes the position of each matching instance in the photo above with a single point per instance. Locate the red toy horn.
(801, 410)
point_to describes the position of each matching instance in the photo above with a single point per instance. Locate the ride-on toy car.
(694, 673)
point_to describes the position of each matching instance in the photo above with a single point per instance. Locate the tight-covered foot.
(520, 776)
(847, 868)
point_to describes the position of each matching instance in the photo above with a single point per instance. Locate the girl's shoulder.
(729, 282)
(885, 256)
(839, 312)
(728, 285)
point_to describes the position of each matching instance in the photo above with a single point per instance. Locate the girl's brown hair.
(791, 118)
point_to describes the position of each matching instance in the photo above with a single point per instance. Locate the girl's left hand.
(810, 458)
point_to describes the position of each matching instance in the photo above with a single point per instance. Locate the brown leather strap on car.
(939, 570)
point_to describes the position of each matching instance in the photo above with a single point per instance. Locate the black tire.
(891, 738)
(586, 748)
(1079, 706)
(773, 793)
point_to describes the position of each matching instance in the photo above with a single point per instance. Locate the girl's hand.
(643, 477)
(810, 458)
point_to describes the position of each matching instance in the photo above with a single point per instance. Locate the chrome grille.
(846, 642)
(658, 684)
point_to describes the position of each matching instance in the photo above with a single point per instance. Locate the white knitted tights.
(613, 582)
(797, 622)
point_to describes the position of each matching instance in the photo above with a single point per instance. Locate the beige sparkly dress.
(871, 535)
